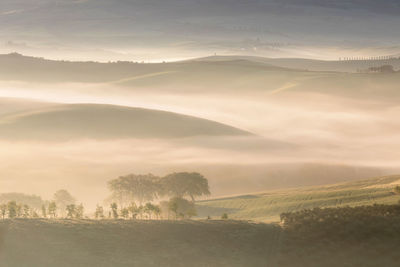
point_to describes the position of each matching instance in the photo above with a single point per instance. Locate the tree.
(26, 211)
(52, 209)
(130, 188)
(12, 209)
(71, 210)
(44, 211)
(140, 211)
(114, 209)
(157, 211)
(173, 206)
(99, 213)
(3, 210)
(125, 213)
(151, 209)
(63, 198)
(34, 202)
(184, 184)
(224, 216)
(79, 211)
(19, 210)
(133, 210)
(182, 208)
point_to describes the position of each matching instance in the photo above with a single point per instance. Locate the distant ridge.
(311, 64)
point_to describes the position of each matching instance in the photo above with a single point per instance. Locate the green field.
(268, 206)
(136, 243)
(358, 237)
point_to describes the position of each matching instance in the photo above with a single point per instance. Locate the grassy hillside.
(269, 205)
(126, 73)
(41, 243)
(227, 75)
(313, 65)
(106, 121)
(354, 237)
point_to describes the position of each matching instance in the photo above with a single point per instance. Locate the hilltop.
(224, 75)
(312, 64)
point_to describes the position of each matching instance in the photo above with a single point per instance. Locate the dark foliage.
(359, 236)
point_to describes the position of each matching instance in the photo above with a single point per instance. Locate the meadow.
(38, 242)
(268, 206)
(360, 236)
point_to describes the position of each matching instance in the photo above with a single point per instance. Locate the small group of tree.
(374, 58)
(175, 208)
(132, 197)
(147, 211)
(180, 208)
(12, 209)
(75, 211)
(33, 201)
(63, 205)
(130, 192)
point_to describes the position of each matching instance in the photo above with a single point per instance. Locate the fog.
(241, 96)
(302, 135)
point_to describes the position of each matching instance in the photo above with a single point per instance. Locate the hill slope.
(107, 121)
(312, 65)
(269, 205)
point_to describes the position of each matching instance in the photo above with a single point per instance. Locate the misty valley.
(199, 133)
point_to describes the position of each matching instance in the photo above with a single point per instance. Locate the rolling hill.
(24, 68)
(228, 75)
(269, 205)
(72, 121)
(312, 64)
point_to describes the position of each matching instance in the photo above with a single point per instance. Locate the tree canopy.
(185, 184)
(132, 187)
(63, 198)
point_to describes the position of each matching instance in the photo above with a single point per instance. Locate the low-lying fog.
(300, 138)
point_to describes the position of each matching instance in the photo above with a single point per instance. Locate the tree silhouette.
(99, 213)
(130, 188)
(63, 198)
(12, 208)
(184, 184)
(52, 209)
(114, 209)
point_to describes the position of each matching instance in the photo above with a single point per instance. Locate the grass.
(344, 237)
(268, 206)
(38, 242)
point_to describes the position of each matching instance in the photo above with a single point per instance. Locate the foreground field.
(143, 243)
(269, 205)
(365, 236)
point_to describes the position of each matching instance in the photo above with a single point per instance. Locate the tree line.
(132, 197)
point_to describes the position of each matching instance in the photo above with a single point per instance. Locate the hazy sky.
(155, 30)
